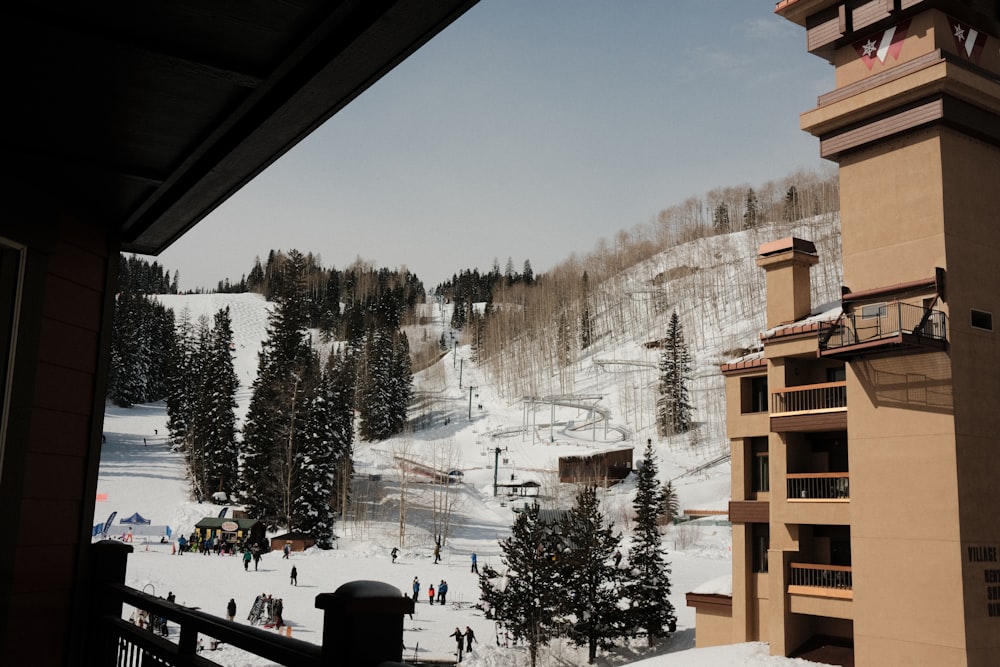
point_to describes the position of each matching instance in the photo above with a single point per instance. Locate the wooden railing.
(809, 398)
(811, 575)
(819, 486)
(362, 625)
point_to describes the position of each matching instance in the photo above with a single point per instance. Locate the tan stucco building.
(866, 439)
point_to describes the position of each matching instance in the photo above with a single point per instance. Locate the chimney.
(786, 263)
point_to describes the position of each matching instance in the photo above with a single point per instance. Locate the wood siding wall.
(52, 444)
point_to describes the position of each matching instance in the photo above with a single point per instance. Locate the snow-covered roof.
(719, 586)
(828, 312)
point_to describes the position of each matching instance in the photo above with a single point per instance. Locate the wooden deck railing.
(812, 575)
(809, 398)
(362, 625)
(819, 486)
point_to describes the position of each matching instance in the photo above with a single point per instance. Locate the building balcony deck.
(892, 327)
(819, 486)
(814, 407)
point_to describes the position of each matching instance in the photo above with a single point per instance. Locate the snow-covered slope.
(460, 420)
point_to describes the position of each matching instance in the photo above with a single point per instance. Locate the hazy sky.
(530, 129)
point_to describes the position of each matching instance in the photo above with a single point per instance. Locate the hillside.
(461, 417)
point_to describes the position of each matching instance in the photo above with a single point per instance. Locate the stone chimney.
(786, 263)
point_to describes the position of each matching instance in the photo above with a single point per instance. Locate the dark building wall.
(52, 439)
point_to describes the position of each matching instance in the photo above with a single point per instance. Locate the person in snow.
(171, 598)
(470, 637)
(279, 608)
(231, 609)
(618, 558)
(416, 589)
(394, 553)
(430, 593)
(437, 552)
(475, 565)
(246, 560)
(294, 577)
(256, 556)
(460, 640)
(287, 549)
(442, 591)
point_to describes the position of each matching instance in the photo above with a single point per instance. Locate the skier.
(295, 577)
(470, 637)
(246, 560)
(442, 591)
(394, 553)
(430, 593)
(618, 557)
(475, 565)
(416, 590)
(231, 609)
(460, 639)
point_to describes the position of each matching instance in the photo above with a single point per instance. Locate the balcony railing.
(819, 486)
(809, 398)
(362, 626)
(897, 323)
(810, 575)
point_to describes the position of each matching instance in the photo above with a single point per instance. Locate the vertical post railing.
(110, 558)
(363, 624)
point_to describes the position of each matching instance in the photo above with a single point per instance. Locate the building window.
(761, 482)
(760, 541)
(836, 374)
(754, 397)
(874, 311)
(982, 320)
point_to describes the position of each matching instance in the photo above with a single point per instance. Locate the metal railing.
(820, 576)
(819, 486)
(809, 398)
(362, 625)
(891, 320)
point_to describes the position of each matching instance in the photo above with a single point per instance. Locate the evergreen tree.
(750, 213)
(285, 372)
(586, 320)
(720, 219)
(526, 598)
(217, 409)
(564, 341)
(318, 461)
(590, 583)
(648, 587)
(673, 407)
(792, 210)
(181, 385)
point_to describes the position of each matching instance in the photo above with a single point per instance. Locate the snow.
(140, 473)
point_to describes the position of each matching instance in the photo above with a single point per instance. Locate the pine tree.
(673, 407)
(525, 599)
(318, 461)
(286, 369)
(586, 320)
(590, 583)
(648, 586)
(750, 210)
(720, 219)
(218, 408)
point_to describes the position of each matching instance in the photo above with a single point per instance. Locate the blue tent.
(136, 520)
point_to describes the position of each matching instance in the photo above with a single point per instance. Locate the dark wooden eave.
(147, 115)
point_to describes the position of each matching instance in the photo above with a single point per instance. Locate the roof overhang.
(145, 116)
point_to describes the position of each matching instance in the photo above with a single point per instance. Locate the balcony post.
(363, 624)
(110, 558)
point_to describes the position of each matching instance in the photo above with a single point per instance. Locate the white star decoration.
(959, 33)
(869, 48)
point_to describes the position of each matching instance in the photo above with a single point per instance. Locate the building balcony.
(887, 327)
(814, 407)
(819, 486)
(833, 581)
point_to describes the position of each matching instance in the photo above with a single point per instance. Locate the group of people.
(464, 638)
(195, 543)
(251, 552)
(441, 592)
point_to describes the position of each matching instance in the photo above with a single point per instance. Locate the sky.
(529, 130)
